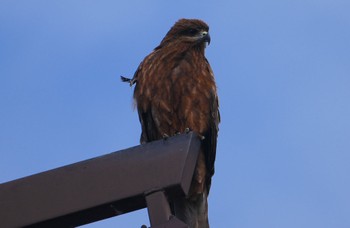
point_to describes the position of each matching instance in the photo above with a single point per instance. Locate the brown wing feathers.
(175, 89)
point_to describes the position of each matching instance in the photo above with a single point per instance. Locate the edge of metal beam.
(100, 187)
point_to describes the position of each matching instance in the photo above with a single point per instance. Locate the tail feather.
(131, 81)
(193, 211)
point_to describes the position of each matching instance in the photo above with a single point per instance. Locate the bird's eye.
(192, 32)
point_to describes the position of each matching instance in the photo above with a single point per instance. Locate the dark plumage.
(175, 90)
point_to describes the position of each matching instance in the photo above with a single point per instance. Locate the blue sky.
(283, 75)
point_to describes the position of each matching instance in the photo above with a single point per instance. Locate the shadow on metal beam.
(102, 187)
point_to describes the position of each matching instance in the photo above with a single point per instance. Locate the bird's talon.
(165, 136)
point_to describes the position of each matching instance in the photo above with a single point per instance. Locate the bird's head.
(190, 31)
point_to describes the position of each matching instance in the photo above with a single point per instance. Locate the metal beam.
(101, 187)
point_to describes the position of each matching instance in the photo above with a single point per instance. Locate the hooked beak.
(205, 37)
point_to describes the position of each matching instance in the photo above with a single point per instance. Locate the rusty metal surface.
(101, 187)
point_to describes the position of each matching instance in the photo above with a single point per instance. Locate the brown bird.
(176, 92)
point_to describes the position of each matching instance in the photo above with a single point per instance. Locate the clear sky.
(283, 75)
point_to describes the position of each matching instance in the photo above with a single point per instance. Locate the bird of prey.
(175, 92)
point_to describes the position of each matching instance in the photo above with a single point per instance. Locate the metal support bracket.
(158, 208)
(159, 212)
